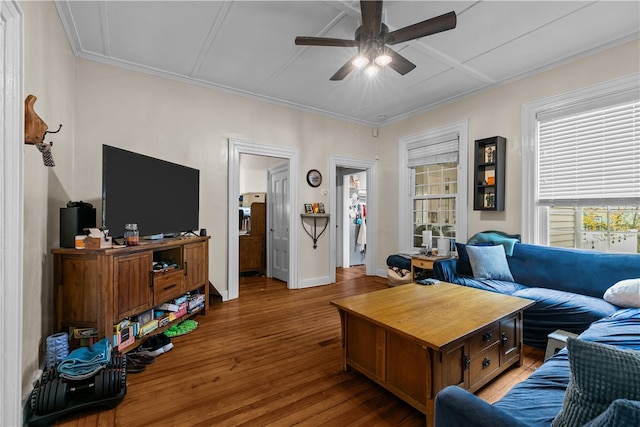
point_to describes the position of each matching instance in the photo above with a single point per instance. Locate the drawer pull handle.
(170, 286)
(486, 362)
(486, 337)
(466, 362)
(504, 338)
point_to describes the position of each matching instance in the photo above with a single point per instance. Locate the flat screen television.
(163, 198)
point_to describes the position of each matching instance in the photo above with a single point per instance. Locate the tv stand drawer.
(167, 286)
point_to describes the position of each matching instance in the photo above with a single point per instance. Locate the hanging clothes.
(362, 236)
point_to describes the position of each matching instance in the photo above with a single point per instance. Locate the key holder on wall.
(35, 130)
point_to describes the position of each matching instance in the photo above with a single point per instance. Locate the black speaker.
(73, 221)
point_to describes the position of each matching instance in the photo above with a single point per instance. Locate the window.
(433, 189)
(434, 200)
(585, 180)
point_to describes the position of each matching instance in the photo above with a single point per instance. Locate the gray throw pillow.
(621, 412)
(489, 262)
(600, 374)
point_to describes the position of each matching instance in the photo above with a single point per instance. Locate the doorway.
(351, 219)
(338, 168)
(236, 149)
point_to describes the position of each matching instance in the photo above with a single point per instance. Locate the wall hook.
(51, 131)
(35, 130)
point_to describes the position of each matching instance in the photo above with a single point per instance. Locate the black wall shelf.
(488, 174)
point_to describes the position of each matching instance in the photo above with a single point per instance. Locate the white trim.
(316, 281)
(11, 211)
(236, 148)
(371, 167)
(534, 228)
(462, 204)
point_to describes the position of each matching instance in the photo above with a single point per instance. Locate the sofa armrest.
(456, 407)
(445, 270)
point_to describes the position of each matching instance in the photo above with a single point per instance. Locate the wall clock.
(314, 178)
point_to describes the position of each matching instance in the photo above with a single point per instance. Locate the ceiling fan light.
(383, 59)
(371, 70)
(360, 61)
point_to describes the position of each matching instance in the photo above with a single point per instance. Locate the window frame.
(405, 181)
(535, 225)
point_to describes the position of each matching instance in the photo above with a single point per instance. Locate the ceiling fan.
(373, 37)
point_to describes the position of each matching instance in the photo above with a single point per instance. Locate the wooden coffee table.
(414, 340)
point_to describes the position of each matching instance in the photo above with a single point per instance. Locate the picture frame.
(321, 207)
(308, 208)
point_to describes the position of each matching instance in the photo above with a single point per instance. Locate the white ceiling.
(247, 47)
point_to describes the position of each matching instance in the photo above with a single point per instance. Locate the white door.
(278, 221)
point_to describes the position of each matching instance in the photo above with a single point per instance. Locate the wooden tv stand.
(97, 288)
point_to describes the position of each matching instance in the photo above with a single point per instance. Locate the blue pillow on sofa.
(463, 267)
(489, 262)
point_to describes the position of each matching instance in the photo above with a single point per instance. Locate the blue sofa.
(536, 401)
(567, 284)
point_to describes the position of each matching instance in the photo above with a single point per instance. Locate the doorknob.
(271, 230)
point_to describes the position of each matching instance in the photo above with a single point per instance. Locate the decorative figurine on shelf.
(490, 200)
(489, 155)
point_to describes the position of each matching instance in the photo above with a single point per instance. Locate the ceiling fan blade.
(324, 41)
(344, 70)
(371, 17)
(399, 63)
(430, 26)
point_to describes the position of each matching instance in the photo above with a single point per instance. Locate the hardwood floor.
(270, 357)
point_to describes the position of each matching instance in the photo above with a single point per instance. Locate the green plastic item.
(181, 328)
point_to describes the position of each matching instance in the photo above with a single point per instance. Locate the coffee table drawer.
(485, 338)
(484, 365)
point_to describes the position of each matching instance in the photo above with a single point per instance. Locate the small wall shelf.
(313, 228)
(488, 174)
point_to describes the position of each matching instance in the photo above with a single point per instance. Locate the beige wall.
(49, 75)
(191, 126)
(99, 104)
(253, 172)
(496, 112)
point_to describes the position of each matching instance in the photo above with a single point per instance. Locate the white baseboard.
(315, 281)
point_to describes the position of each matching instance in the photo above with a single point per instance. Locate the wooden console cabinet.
(253, 246)
(97, 288)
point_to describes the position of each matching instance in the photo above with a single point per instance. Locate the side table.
(423, 262)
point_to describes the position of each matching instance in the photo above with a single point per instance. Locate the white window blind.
(443, 149)
(590, 158)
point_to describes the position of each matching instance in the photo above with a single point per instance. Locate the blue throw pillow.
(600, 374)
(489, 262)
(463, 267)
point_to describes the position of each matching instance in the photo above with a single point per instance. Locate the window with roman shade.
(433, 163)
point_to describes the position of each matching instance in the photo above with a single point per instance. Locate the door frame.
(236, 148)
(371, 168)
(11, 212)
